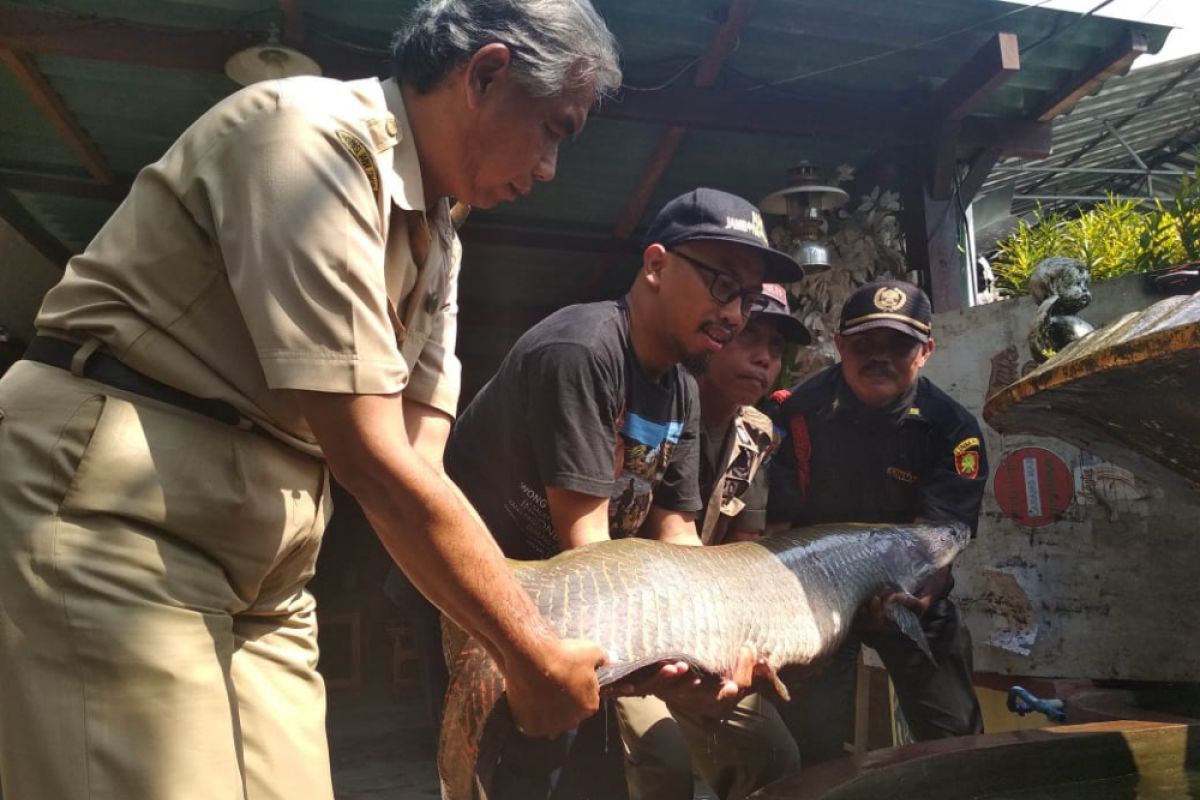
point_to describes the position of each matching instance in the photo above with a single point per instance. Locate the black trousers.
(938, 701)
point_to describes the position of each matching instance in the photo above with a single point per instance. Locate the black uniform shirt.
(921, 457)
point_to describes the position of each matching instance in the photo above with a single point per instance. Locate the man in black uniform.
(868, 440)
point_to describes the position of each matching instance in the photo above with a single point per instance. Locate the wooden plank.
(706, 74)
(43, 94)
(983, 74)
(1111, 62)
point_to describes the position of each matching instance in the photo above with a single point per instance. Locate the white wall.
(1110, 589)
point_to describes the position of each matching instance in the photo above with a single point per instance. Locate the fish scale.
(792, 596)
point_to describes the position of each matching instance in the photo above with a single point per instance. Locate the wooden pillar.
(931, 237)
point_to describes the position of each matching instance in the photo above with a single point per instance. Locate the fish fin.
(766, 675)
(910, 625)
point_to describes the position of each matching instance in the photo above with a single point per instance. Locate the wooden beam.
(977, 173)
(293, 21)
(819, 117)
(24, 223)
(974, 83)
(706, 74)
(931, 238)
(42, 183)
(43, 94)
(1109, 63)
(943, 158)
(95, 37)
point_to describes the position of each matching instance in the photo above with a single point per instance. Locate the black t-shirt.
(841, 461)
(567, 396)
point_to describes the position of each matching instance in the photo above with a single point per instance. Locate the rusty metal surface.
(1130, 386)
(1008, 764)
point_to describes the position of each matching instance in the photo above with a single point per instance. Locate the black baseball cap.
(888, 304)
(719, 216)
(777, 311)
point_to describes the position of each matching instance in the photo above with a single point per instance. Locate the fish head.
(924, 549)
(939, 543)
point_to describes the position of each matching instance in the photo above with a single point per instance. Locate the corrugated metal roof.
(1156, 111)
(872, 52)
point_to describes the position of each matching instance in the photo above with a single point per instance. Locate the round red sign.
(1033, 486)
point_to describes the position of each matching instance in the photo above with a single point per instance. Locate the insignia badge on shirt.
(355, 147)
(889, 298)
(966, 457)
(902, 475)
(966, 444)
(966, 463)
(433, 302)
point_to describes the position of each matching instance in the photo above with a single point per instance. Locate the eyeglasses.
(724, 289)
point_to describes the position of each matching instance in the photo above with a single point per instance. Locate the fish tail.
(475, 692)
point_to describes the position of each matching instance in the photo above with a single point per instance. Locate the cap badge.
(890, 299)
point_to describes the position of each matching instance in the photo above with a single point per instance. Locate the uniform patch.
(965, 445)
(902, 475)
(355, 147)
(889, 298)
(966, 463)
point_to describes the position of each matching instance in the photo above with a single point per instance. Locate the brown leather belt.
(108, 369)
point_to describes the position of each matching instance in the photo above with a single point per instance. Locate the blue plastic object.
(1022, 701)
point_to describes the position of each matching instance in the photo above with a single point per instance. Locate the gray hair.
(556, 45)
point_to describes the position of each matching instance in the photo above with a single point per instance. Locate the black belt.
(107, 369)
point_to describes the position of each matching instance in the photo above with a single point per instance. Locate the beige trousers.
(736, 755)
(156, 639)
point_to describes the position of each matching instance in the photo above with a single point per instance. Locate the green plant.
(1111, 239)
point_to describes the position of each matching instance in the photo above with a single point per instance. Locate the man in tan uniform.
(275, 300)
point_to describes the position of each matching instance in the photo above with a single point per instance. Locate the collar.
(410, 191)
(847, 406)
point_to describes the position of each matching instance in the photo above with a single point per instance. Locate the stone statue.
(1060, 288)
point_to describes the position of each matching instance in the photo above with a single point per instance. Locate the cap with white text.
(713, 215)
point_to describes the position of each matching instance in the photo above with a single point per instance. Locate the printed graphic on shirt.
(647, 453)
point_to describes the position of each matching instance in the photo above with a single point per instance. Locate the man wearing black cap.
(869, 440)
(751, 747)
(589, 430)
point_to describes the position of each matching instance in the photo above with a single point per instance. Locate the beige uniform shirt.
(269, 249)
(735, 454)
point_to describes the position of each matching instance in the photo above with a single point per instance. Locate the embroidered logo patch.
(889, 298)
(355, 147)
(965, 445)
(902, 475)
(967, 463)
(754, 226)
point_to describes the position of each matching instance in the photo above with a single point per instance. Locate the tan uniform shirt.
(269, 249)
(735, 454)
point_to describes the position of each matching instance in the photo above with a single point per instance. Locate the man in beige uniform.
(275, 299)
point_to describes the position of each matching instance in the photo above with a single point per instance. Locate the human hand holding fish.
(559, 691)
(707, 695)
